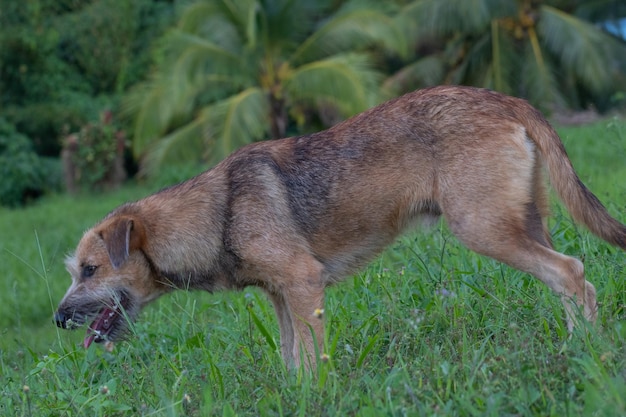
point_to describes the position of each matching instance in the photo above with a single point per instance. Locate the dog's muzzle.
(61, 319)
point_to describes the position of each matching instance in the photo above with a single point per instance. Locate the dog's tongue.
(99, 327)
(89, 339)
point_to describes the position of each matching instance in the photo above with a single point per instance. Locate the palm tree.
(233, 72)
(543, 50)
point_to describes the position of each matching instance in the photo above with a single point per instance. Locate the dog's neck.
(184, 229)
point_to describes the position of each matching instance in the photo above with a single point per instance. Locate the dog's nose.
(60, 319)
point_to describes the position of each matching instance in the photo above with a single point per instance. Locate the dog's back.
(462, 152)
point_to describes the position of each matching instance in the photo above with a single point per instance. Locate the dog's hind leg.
(497, 206)
(563, 274)
(515, 235)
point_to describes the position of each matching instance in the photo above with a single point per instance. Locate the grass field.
(429, 329)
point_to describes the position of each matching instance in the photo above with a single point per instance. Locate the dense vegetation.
(189, 81)
(170, 86)
(428, 329)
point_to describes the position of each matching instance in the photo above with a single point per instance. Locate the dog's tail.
(582, 204)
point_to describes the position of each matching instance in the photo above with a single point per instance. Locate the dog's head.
(112, 278)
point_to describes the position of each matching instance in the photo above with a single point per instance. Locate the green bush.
(25, 175)
(94, 157)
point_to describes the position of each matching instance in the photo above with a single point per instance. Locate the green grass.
(429, 329)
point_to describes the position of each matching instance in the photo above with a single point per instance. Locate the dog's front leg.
(285, 323)
(305, 302)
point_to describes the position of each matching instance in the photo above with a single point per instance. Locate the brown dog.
(295, 215)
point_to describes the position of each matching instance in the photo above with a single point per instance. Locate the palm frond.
(195, 15)
(286, 23)
(538, 83)
(184, 145)
(219, 21)
(347, 80)
(426, 71)
(236, 121)
(218, 130)
(446, 17)
(585, 50)
(478, 60)
(166, 102)
(196, 55)
(601, 11)
(504, 61)
(357, 25)
(151, 105)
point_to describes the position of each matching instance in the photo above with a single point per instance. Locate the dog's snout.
(60, 319)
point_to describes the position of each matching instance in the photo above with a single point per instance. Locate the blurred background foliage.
(187, 82)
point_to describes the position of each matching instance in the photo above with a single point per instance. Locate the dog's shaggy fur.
(295, 215)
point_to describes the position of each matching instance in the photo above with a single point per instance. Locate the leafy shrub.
(45, 121)
(94, 157)
(25, 175)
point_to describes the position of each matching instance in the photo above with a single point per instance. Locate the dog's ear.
(121, 236)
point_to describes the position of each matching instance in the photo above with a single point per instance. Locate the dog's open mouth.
(103, 324)
(110, 316)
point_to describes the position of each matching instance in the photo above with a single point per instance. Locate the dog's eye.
(89, 270)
